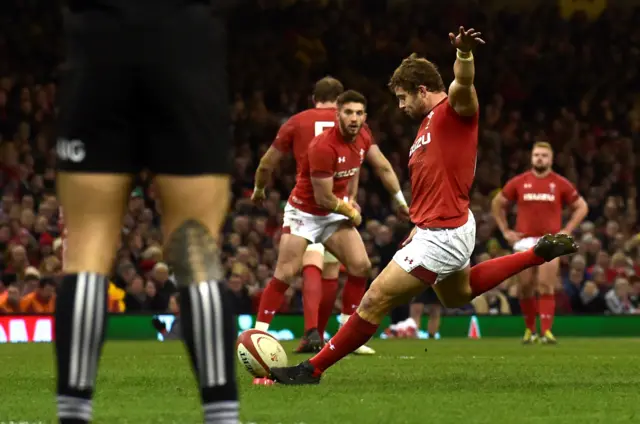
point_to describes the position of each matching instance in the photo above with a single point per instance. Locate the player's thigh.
(346, 244)
(314, 255)
(186, 117)
(455, 290)
(547, 276)
(94, 205)
(527, 277)
(290, 253)
(203, 198)
(392, 287)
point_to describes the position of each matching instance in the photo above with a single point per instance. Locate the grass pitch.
(581, 381)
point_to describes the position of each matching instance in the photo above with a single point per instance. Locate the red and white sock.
(547, 311)
(329, 294)
(352, 294)
(351, 336)
(311, 295)
(489, 274)
(270, 301)
(529, 306)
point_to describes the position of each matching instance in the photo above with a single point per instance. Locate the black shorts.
(427, 297)
(148, 94)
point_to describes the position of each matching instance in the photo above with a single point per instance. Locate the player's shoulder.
(445, 111)
(316, 114)
(326, 140)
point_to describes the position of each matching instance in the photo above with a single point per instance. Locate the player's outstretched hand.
(258, 196)
(512, 236)
(403, 213)
(466, 40)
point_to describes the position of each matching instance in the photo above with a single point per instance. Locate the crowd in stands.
(572, 82)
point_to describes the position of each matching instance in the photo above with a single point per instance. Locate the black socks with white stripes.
(80, 322)
(208, 329)
(209, 333)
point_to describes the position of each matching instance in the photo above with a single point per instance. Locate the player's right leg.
(347, 245)
(528, 304)
(312, 264)
(330, 274)
(186, 127)
(394, 286)
(290, 253)
(95, 162)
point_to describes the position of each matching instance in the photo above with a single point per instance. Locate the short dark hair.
(327, 90)
(351, 96)
(415, 71)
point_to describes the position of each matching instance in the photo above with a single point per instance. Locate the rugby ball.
(258, 351)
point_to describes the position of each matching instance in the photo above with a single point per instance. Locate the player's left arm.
(383, 169)
(579, 208)
(268, 163)
(462, 93)
(322, 167)
(353, 187)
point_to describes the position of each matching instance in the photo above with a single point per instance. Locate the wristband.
(344, 208)
(464, 56)
(400, 198)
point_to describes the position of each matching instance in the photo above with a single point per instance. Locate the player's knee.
(359, 267)
(545, 287)
(286, 271)
(376, 301)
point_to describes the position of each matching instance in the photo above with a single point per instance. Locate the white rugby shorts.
(525, 244)
(315, 228)
(440, 251)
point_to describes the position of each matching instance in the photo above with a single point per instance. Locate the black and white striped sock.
(209, 333)
(80, 321)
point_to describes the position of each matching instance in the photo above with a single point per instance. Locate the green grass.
(581, 381)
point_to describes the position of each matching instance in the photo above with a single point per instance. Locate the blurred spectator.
(41, 300)
(618, 298)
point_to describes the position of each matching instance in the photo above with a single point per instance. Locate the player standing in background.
(321, 207)
(442, 166)
(144, 87)
(320, 269)
(540, 195)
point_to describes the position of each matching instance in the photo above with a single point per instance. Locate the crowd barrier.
(39, 328)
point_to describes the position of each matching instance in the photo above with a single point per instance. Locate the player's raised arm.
(384, 171)
(322, 167)
(462, 94)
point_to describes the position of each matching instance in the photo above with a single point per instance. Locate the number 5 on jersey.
(320, 126)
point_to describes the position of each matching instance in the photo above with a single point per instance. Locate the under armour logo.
(268, 312)
(408, 260)
(527, 185)
(331, 346)
(342, 159)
